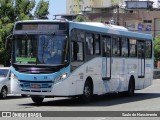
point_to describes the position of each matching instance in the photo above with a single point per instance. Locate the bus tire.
(87, 92)
(131, 87)
(23, 95)
(37, 99)
(3, 93)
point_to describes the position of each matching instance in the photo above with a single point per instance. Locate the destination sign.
(40, 26)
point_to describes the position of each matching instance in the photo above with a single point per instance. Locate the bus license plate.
(35, 86)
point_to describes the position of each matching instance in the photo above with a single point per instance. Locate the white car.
(4, 82)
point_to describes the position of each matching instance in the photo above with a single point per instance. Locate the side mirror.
(9, 37)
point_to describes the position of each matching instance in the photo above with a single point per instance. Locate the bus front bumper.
(58, 89)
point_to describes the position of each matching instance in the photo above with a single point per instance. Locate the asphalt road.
(144, 100)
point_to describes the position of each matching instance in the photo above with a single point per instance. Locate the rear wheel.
(37, 99)
(3, 93)
(131, 88)
(23, 95)
(87, 92)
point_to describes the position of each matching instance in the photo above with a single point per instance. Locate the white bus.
(54, 58)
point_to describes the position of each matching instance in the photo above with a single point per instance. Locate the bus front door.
(141, 59)
(106, 60)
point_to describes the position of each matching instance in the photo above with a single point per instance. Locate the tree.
(41, 11)
(10, 12)
(6, 25)
(156, 50)
(82, 18)
(23, 8)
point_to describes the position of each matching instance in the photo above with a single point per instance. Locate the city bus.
(59, 58)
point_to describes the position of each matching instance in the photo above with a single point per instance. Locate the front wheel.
(87, 92)
(3, 93)
(37, 99)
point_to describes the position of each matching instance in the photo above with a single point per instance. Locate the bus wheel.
(87, 92)
(131, 87)
(3, 93)
(37, 99)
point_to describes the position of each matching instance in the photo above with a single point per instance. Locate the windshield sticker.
(21, 59)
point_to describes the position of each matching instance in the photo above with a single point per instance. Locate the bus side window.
(132, 48)
(116, 46)
(148, 49)
(125, 46)
(89, 44)
(77, 54)
(97, 45)
(106, 46)
(77, 51)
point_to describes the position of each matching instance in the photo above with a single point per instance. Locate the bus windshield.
(41, 49)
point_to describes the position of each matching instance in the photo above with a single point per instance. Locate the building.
(77, 6)
(142, 16)
(74, 7)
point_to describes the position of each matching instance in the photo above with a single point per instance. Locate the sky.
(56, 7)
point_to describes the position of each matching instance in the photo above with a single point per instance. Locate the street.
(144, 100)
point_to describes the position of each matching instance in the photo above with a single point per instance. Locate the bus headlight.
(61, 77)
(13, 76)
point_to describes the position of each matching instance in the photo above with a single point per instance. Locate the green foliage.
(41, 11)
(82, 18)
(156, 49)
(10, 12)
(23, 9)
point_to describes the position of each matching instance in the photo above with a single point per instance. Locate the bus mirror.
(9, 37)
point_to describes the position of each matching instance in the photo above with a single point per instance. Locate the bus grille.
(36, 87)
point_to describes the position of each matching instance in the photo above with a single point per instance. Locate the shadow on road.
(13, 97)
(105, 100)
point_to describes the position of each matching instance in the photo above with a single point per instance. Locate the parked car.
(4, 82)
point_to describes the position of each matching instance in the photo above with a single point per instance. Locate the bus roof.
(110, 29)
(97, 27)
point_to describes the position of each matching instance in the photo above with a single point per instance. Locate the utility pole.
(117, 6)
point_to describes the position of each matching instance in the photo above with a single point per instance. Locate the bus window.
(89, 44)
(80, 35)
(140, 49)
(132, 48)
(106, 49)
(116, 46)
(77, 51)
(97, 45)
(148, 49)
(124, 50)
(77, 35)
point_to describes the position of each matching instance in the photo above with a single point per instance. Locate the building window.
(147, 21)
